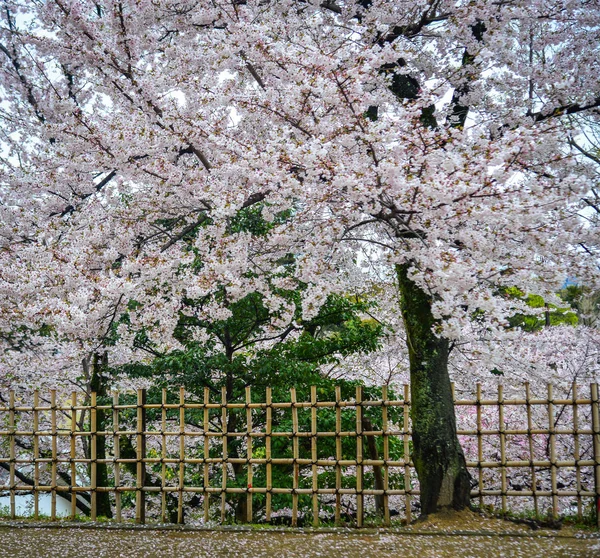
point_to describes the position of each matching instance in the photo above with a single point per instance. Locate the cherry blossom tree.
(445, 134)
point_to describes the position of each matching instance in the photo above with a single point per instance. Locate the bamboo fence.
(45, 450)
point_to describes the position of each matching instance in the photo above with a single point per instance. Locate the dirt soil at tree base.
(473, 522)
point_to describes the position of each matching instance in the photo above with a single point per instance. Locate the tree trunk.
(367, 426)
(98, 385)
(438, 457)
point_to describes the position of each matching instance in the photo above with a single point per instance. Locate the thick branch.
(428, 17)
(255, 198)
(28, 87)
(572, 108)
(252, 70)
(585, 153)
(201, 157)
(183, 232)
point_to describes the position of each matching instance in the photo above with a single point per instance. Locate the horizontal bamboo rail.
(301, 405)
(233, 454)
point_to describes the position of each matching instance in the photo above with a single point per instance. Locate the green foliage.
(572, 294)
(233, 357)
(250, 219)
(553, 315)
(585, 301)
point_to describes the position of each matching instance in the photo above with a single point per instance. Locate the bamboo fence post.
(73, 455)
(502, 429)
(224, 452)
(314, 455)
(479, 445)
(552, 440)
(269, 472)
(338, 453)
(249, 454)
(596, 446)
(140, 495)
(386, 457)
(406, 439)
(576, 450)
(163, 453)
(296, 467)
(54, 469)
(117, 456)
(93, 457)
(531, 450)
(205, 468)
(359, 459)
(12, 453)
(36, 456)
(181, 454)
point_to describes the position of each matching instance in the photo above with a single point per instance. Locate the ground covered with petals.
(435, 537)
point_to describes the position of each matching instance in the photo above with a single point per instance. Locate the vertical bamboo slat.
(531, 450)
(205, 468)
(36, 456)
(93, 458)
(73, 455)
(269, 473)
(313, 455)
(295, 454)
(359, 459)
(181, 483)
(552, 444)
(576, 450)
(54, 468)
(163, 447)
(479, 445)
(140, 495)
(502, 429)
(596, 446)
(54, 449)
(12, 453)
(117, 456)
(406, 440)
(225, 452)
(249, 454)
(386, 457)
(338, 453)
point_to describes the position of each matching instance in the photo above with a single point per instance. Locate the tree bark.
(99, 386)
(437, 455)
(367, 426)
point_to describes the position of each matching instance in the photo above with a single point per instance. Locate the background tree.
(247, 350)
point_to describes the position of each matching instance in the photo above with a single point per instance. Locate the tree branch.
(572, 108)
(585, 153)
(183, 232)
